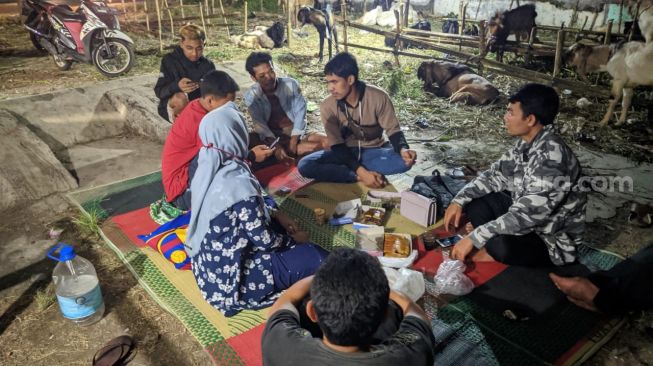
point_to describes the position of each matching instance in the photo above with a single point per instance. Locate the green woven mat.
(533, 342)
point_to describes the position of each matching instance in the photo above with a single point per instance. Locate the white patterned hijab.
(223, 177)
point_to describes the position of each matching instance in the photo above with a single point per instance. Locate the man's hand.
(462, 249)
(281, 155)
(187, 85)
(261, 152)
(289, 224)
(452, 217)
(292, 146)
(370, 178)
(409, 156)
(301, 237)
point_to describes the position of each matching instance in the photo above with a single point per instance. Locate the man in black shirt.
(352, 304)
(181, 71)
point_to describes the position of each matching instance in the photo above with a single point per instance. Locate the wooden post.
(460, 16)
(398, 32)
(621, 12)
(124, 9)
(290, 23)
(510, 6)
(461, 29)
(208, 12)
(594, 16)
(343, 9)
(172, 24)
(560, 41)
(608, 31)
(635, 20)
(158, 19)
(245, 17)
(574, 16)
(406, 12)
(364, 6)
(135, 8)
(261, 4)
(478, 7)
(226, 25)
(206, 33)
(481, 38)
(181, 5)
(529, 51)
(147, 16)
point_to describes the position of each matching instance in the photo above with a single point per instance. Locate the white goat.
(631, 66)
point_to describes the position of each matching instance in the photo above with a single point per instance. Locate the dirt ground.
(33, 332)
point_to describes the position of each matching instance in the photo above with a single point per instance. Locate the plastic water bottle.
(77, 286)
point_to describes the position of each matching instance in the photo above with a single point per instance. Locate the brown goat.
(518, 21)
(295, 5)
(457, 82)
(587, 58)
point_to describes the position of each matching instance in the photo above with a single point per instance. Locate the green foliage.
(44, 298)
(88, 221)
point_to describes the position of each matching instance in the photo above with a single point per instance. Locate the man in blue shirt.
(278, 110)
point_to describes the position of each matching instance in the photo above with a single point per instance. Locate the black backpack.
(437, 187)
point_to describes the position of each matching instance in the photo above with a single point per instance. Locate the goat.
(422, 24)
(644, 19)
(587, 58)
(294, 6)
(457, 82)
(518, 21)
(324, 25)
(631, 66)
(261, 37)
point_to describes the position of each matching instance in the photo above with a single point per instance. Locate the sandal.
(117, 352)
(641, 215)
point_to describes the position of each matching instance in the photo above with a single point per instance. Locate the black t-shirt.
(285, 343)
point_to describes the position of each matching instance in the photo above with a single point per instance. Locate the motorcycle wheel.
(35, 41)
(62, 63)
(121, 61)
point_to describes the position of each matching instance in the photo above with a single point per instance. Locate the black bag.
(440, 188)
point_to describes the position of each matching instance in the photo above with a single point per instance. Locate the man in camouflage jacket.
(528, 208)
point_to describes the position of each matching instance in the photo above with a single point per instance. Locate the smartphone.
(274, 143)
(449, 241)
(282, 191)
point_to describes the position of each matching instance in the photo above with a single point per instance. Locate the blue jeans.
(325, 166)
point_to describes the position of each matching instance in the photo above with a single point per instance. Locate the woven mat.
(567, 338)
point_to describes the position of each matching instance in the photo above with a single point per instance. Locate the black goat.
(323, 24)
(277, 33)
(518, 21)
(422, 24)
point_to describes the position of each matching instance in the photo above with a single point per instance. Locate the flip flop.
(117, 352)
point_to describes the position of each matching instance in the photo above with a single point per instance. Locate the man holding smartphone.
(181, 71)
(278, 110)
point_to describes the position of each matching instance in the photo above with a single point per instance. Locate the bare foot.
(579, 290)
(482, 255)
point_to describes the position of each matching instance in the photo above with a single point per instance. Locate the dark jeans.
(626, 286)
(520, 250)
(183, 201)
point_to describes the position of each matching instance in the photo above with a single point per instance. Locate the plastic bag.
(451, 278)
(406, 281)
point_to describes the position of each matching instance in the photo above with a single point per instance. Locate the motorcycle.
(91, 34)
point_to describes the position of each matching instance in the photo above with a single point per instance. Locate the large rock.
(139, 113)
(28, 168)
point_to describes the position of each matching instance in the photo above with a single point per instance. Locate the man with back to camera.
(355, 117)
(352, 303)
(278, 110)
(181, 71)
(528, 208)
(182, 145)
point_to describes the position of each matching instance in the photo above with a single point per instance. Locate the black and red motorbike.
(90, 34)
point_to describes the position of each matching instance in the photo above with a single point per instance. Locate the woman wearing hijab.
(239, 260)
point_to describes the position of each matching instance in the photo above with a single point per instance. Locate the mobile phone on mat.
(449, 241)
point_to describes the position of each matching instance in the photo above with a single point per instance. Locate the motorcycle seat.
(65, 13)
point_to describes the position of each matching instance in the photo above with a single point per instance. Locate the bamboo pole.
(290, 23)
(478, 7)
(147, 16)
(608, 30)
(135, 8)
(462, 25)
(124, 9)
(224, 18)
(364, 6)
(172, 24)
(244, 17)
(181, 4)
(206, 9)
(261, 4)
(206, 33)
(213, 7)
(398, 34)
(158, 19)
(405, 13)
(560, 41)
(481, 38)
(635, 20)
(594, 16)
(621, 13)
(343, 9)
(574, 15)
(401, 53)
